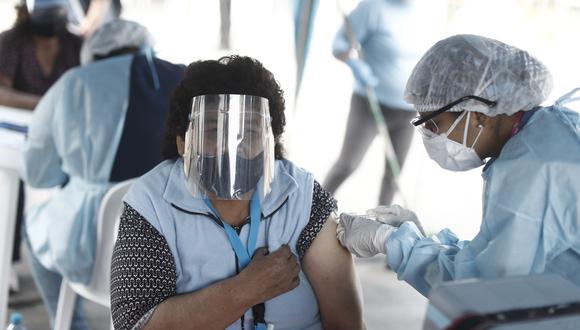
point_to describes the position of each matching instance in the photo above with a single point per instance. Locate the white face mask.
(449, 154)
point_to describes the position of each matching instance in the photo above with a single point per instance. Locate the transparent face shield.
(229, 147)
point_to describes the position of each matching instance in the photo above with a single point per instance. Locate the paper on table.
(11, 139)
(13, 120)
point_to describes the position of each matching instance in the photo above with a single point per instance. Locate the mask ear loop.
(480, 126)
(466, 128)
(455, 123)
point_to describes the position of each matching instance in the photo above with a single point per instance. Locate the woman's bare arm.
(95, 17)
(214, 307)
(222, 303)
(12, 98)
(144, 283)
(330, 270)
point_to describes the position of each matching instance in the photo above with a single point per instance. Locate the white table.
(11, 143)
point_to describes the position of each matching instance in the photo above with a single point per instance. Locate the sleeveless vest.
(201, 250)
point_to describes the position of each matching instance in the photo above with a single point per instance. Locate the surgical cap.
(473, 65)
(115, 35)
(32, 5)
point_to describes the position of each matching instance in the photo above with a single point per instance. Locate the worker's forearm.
(341, 48)
(95, 16)
(16, 99)
(343, 56)
(214, 307)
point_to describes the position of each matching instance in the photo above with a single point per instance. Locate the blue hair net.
(32, 5)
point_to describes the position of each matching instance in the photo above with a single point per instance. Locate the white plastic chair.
(98, 290)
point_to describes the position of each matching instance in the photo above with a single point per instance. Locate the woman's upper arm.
(328, 266)
(142, 271)
(330, 270)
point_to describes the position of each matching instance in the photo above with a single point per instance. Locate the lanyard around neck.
(244, 254)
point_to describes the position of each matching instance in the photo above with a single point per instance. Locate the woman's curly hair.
(228, 75)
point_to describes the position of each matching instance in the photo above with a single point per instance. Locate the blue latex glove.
(362, 72)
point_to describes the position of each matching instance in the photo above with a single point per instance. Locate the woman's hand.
(270, 275)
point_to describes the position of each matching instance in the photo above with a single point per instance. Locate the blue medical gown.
(531, 214)
(79, 137)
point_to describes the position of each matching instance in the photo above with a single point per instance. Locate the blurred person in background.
(34, 53)
(385, 30)
(98, 125)
(226, 232)
(479, 105)
(89, 15)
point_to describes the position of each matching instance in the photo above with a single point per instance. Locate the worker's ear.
(481, 119)
(180, 145)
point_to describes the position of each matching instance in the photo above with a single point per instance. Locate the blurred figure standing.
(34, 53)
(99, 124)
(386, 32)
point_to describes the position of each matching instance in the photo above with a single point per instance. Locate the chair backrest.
(107, 227)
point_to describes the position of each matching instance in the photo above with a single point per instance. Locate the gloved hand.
(362, 236)
(394, 215)
(362, 72)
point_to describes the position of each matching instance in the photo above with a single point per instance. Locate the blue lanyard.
(244, 254)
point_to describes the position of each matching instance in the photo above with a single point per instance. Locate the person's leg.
(19, 218)
(48, 283)
(360, 132)
(14, 281)
(401, 133)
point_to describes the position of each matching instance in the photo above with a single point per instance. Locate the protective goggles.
(428, 122)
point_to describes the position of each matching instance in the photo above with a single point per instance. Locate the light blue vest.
(201, 250)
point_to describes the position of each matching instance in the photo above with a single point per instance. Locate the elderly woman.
(478, 102)
(226, 233)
